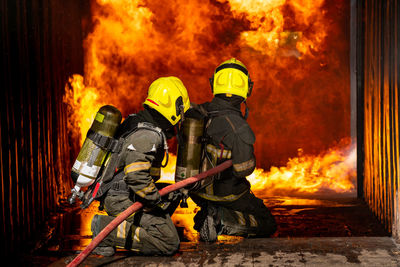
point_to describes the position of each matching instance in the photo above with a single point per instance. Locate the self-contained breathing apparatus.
(92, 156)
(189, 153)
(192, 155)
(100, 181)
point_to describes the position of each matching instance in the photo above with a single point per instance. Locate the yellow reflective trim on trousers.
(144, 191)
(253, 221)
(244, 165)
(136, 235)
(137, 166)
(218, 198)
(241, 219)
(121, 232)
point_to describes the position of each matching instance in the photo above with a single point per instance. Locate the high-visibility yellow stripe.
(219, 198)
(136, 235)
(144, 191)
(241, 219)
(216, 152)
(253, 221)
(244, 165)
(137, 166)
(137, 163)
(121, 233)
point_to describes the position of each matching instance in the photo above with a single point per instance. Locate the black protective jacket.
(229, 136)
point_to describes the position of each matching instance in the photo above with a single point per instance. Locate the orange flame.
(297, 55)
(333, 171)
(267, 25)
(329, 173)
(83, 103)
(297, 67)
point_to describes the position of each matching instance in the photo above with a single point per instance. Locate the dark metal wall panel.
(357, 86)
(381, 110)
(41, 44)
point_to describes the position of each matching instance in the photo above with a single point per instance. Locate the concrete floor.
(311, 232)
(316, 251)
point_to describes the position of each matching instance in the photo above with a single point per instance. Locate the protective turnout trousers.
(247, 216)
(148, 233)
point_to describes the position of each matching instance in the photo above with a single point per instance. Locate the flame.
(83, 104)
(296, 52)
(267, 32)
(331, 172)
(296, 66)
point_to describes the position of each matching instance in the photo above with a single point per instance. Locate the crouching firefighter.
(227, 205)
(134, 168)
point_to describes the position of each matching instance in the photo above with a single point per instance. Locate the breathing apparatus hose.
(137, 205)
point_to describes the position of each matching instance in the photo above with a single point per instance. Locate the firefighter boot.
(206, 223)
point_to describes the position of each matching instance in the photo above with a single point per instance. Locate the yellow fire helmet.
(231, 78)
(169, 97)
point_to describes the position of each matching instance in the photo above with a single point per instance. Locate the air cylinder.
(95, 147)
(189, 153)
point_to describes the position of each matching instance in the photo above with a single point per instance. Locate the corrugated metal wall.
(381, 110)
(41, 44)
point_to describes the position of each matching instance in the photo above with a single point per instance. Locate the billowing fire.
(330, 172)
(297, 55)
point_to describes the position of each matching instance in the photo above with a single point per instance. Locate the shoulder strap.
(200, 109)
(217, 113)
(151, 127)
(109, 177)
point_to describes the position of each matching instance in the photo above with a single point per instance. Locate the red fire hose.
(137, 205)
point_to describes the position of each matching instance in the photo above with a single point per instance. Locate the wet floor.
(299, 220)
(293, 252)
(341, 217)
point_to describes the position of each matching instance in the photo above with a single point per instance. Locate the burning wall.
(297, 53)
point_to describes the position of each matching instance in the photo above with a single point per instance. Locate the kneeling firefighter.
(227, 204)
(135, 165)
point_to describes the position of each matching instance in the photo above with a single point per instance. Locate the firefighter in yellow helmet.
(227, 204)
(143, 142)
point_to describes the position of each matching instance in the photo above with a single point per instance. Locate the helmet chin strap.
(246, 113)
(179, 126)
(182, 111)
